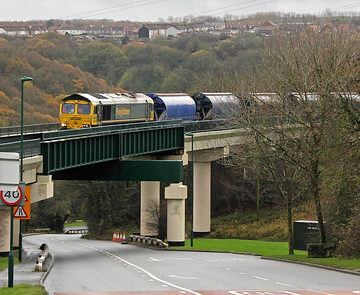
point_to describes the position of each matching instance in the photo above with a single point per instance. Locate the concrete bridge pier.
(149, 207)
(202, 188)
(176, 194)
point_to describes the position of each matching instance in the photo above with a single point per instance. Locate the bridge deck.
(65, 149)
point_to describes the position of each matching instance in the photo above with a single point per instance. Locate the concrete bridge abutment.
(41, 188)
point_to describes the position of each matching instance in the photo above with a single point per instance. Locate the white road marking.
(242, 273)
(356, 292)
(178, 277)
(320, 292)
(154, 277)
(287, 285)
(163, 285)
(236, 293)
(153, 259)
(228, 269)
(260, 278)
(291, 293)
(179, 258)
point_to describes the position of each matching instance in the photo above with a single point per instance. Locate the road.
(99, 267)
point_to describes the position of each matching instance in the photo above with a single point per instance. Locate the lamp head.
(24, 79)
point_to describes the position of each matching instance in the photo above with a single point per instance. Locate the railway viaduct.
(148, 152)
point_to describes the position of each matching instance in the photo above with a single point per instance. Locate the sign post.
(11, 194)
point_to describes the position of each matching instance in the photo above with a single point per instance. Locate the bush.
(320, 250)
(350, 243)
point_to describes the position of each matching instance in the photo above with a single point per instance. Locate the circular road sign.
(12, 198)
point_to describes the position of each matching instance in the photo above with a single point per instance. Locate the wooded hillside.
(60, 66)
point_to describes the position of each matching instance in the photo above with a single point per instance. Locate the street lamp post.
(23, 80)
(192, 191)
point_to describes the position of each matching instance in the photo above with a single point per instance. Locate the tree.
(103, 60)
(303, 119)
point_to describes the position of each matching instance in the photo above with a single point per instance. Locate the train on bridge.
(82, 110)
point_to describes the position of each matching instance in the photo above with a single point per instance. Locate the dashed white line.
(236, 293)
(287, 285)
(320, 292)
(291, 293)
(260, 278)
(179, 277)
(153, 276)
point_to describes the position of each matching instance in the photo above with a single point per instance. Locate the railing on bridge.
(206, 125)
(32, 147)
(28, 129)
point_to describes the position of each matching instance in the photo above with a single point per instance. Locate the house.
(156, 31)
(344, 28)
(143, 32)
(327, 28)
(267, 28)
(72, 31)
(171, 31)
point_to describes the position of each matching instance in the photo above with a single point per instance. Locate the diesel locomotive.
(82, 110)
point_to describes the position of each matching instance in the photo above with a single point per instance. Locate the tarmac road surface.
(104, 267)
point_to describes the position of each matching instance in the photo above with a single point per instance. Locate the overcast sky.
(152, 10)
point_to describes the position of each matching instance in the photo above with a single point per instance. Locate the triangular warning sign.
(20, 212)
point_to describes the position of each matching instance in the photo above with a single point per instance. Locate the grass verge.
(267, 249)
(70, 224)
(23, 290)
(5, 260)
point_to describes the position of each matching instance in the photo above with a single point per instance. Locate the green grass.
(75, 224)
(4, 262)
(23, 290)
(267, 249)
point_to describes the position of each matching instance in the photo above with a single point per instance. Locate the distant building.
(327, 28)
(143, 32)
(157, 31)
(172, 31)
(267, 28)
(2, 31)
(72, 31)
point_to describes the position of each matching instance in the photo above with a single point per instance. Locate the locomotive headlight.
(63, 124)
(86, 125)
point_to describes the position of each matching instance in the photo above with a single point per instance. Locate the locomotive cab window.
(68, 108)
(83, 109)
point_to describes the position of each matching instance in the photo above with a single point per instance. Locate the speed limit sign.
(14, 197)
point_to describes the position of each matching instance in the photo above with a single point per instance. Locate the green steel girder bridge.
(149, 152)
(68, 149)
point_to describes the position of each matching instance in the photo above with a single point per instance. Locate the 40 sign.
(13, 198)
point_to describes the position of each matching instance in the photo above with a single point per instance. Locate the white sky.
(152, 10)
